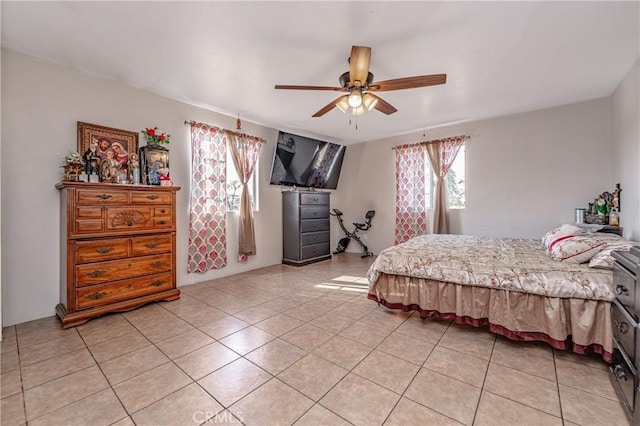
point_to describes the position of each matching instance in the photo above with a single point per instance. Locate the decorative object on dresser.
(154, 165)
(109, 148)
(305, 227)
(624, 315)
(118, 248)
(72, 166)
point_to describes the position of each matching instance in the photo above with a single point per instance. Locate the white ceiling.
(500, 57)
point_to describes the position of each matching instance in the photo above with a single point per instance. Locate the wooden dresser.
(305, 227)
(117, 248)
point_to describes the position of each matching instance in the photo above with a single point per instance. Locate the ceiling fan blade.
(359, 62)
(331, 105)
(289, 87)
(383, 106)
(408, 82)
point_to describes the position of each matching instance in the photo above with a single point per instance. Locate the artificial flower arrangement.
(154, 137)
(73, 158)
(72, 166)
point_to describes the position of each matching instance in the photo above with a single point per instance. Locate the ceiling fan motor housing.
(344, 79)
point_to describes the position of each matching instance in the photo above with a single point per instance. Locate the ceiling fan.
(358, 83)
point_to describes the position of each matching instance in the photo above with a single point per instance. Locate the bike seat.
(361, 226)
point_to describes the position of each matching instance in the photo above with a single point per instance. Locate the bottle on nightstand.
(614, 217)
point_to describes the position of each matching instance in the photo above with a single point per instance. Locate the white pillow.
(604, 260)
(560, 232)
(576, 249)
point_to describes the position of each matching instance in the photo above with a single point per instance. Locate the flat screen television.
(306, 162)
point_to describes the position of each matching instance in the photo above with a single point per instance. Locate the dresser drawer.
(314, 199)
(314, 212)
(314, 225)
(162, 211)
(146, 197)
(314, 238)
(98, 295)
(128, 218)
(99, 250)
(624, 286)
(89, 226)
(99, 197)
(162, 222)
(624, 329)
(113, 270)
(89, 212)
(315, 250)
(141, 246)
(623, 377)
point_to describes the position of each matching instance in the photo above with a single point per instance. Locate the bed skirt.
(580, 325)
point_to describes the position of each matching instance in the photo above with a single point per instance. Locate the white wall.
(40, 127)
(625, 150)
(525, 173)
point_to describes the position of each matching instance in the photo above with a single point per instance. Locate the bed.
(510, 285)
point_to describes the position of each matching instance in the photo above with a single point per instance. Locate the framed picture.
(154, 164)
(100, 144)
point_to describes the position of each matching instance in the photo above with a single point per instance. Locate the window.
(234, 186)
(455, 181)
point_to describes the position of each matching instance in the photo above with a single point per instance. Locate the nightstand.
(607, 229)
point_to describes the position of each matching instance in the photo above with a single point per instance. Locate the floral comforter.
(513, 264)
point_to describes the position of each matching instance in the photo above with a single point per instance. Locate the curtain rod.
(187, 122)
(465, 137)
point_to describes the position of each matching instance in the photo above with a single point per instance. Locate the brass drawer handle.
(96, 296)
(104, 196)
(152, 196)
(158, 264)
(157, 283)
(152, 244)
(163, 211)
(96, 274)
(104, 250)
(621, 289)
(130, 222)
(163, 222)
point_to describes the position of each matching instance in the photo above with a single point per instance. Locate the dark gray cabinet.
(305, 227)
(625, 312)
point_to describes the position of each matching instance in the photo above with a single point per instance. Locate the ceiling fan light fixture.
(369, 101)
(358, 110)
(343, 105)
(355, 98)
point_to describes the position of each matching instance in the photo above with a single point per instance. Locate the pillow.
(560, 232)
(604, 260)
(576, 249)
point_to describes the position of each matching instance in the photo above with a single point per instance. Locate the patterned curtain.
(207, 204)
(449, 148)
(245, 151)
(442, 153)
(325, 160)
(411, 179)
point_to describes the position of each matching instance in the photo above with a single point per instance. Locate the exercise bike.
(344, 242)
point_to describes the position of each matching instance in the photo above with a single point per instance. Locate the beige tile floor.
(284, 345)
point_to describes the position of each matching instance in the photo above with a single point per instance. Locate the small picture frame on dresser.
(154, 164)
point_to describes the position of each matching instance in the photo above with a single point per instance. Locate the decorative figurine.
(134, 168)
